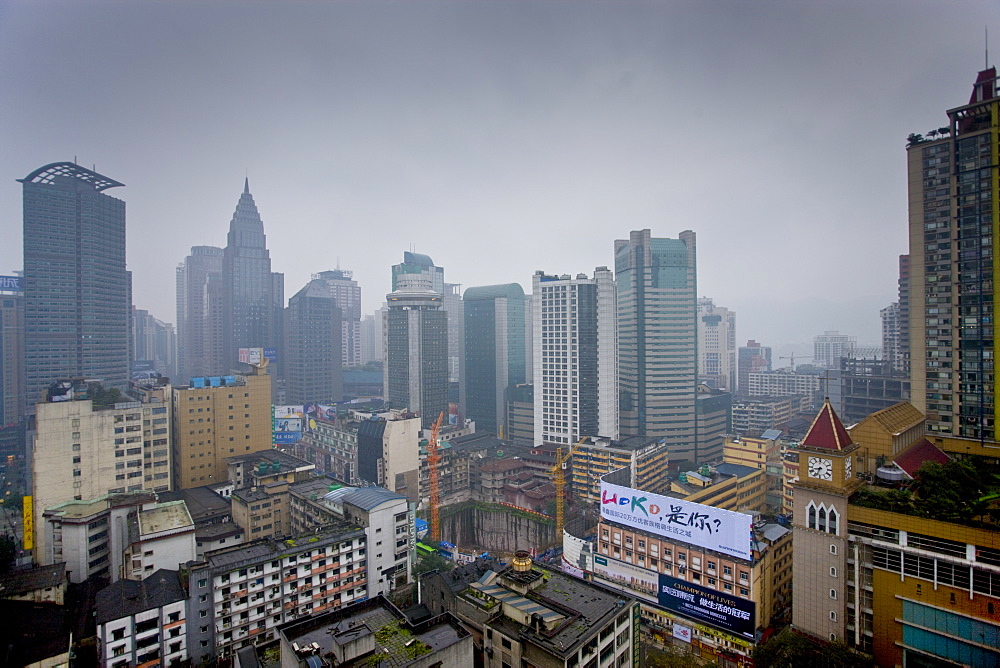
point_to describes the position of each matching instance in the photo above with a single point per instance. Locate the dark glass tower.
(76, 289)
(494, 353)
(251, 315)
(314, 370)
(416, 370)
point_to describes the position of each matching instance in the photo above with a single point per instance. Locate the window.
(833, 594)
(833, 616)
(833, 549)
(833, 571)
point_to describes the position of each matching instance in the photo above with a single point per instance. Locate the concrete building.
(38, 584)
(863, 386)
(953, 192)
(261, 481)
(143, 623)
(253, 296)
(728, 486)
(783, 383)
(830, 346)
(371, 338)
(375, 632)
(759, 414)
(346, 292)
(160, 535)
(902, 360)
(154, 342)
(575, 357)
(657, 335)
(82, 451)
(761, 452)
(216, 418)
(713, 420)
(461, 460)
(199, 313)
(521, 415)
(11, 350)
(313, 347)
(647, 458)
(716, 345)
(751, 358)
(891, 351)
(77, 295)
(238, 595)
(494, 354)
(525, 614)
(416, 367)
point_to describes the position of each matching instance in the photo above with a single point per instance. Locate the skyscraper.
(575, 357)
(154, 341)
(416, 366)
(494, 353)
(716, 345)
(11, 350)
(342, 287)
(657, 339)
(751, 358)
(451, 302)
(252, 294)
(199, 313)
(77, 292)
(314, 367)
(829, 347)
(953, 195)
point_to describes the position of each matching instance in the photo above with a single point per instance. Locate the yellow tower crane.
(432, 467)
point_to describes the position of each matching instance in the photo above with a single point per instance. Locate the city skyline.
(514, 124)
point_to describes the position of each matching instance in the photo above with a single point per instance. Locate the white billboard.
(710, 528)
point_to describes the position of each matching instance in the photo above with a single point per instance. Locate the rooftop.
(130, 597)
(204, 504)
(827, 432)
(366, 498)
(168, 516)
(396, 641)
(918, 454)
(263, 549)
(25, 580)
(897, 418)
(86, 508)
(269, 457)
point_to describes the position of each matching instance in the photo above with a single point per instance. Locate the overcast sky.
(502, 137)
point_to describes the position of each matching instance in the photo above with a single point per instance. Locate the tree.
(431, 561)
(955, 491)
(790, 649)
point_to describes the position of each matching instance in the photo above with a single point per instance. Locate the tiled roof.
(918, 454)
(897, 418)
(827, 431)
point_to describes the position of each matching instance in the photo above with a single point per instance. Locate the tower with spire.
(252, 294)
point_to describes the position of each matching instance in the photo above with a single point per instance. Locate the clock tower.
(819, 527)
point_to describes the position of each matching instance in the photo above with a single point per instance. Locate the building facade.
(219, 417)
(199, 313)
(253, 297)
(347, 293)
(716, 346)
(830, 347)
(11, 354)
(494, 353)
(953, 195)
(154, 342)
(751, 358)
(416, 367)
(657, 335)
(575, 357)
(77, 292)
(143, 623)
(314, 339)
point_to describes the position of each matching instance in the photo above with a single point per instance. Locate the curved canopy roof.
(508, 290)
(49, 173)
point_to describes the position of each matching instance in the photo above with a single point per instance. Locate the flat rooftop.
(168, 516)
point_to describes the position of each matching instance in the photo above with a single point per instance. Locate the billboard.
(707, 605)
(643, 582)
(11, 284)
(28, 521)
(286, 437)
(257, 355)
(282, 424)
(704, 526)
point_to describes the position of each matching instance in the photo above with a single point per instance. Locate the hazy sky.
(501, 137)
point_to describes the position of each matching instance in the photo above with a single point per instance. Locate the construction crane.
(790, 357)
(559, 480)
(432, 466)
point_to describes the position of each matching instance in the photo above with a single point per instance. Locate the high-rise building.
(199, 313)
(716, 345)
(11, 350)
(829, 347)
(84, 446)
(451, 302)
(314, 366)
(657, 339)
(422, 265)
(252, 294)
(891, 351)
(575, 357)
(416, 365)
(154, 341)
(751, 358)
(494, 353)
(219, 417)
(903, 350)
(77, 306)
(347, 293)
(953, 195)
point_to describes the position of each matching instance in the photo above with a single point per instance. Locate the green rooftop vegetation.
(964, 491)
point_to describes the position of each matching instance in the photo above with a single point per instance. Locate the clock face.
(821, 469)
(847, 467)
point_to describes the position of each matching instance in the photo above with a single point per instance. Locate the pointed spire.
(246, 185)
(827, 431)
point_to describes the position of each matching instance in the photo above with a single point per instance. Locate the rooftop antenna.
(74, 159)
(986, 36)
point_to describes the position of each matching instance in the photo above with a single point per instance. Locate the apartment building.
(646, 457)
(238, 595)
(143, 622)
